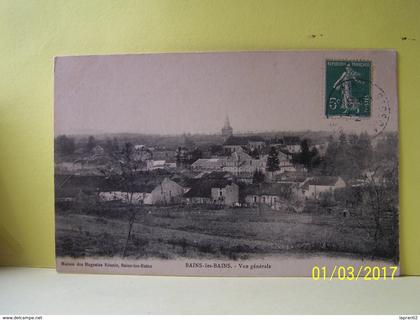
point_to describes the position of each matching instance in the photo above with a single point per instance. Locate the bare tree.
(122, 170)
(381, 180)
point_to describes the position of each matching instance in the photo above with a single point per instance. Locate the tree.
(382, 186)
(111, 146)
(90, 144)
(258, 177)
(180, 157)
(122, 169)
(188, 141)
(307, 157)
(387, 147)
(377, 197)
(349, 156)
(254, 153)
(359, 153)
(365, 148)
(342, 138)
(273, 163)
(217, 149)
(108, 146)
(65, 145)
(195, 155)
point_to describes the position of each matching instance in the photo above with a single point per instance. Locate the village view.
(227, 195)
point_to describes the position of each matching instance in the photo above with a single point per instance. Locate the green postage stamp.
(348, 88)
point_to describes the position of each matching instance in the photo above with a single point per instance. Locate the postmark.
(348, 88)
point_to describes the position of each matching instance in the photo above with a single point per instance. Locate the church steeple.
(227, 130)
(227, 123)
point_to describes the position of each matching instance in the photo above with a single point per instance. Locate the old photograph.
(246, 163)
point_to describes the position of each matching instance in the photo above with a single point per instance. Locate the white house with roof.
(272, 194)
(98, 150)
(209, 165)
(225, 193)
(135, 198)
(213, 191)
(167, 192)
(292, 144)
(141, 153)
(236, 143)
(322, 148)
(315, 186)
(159, 164)
(239, 162)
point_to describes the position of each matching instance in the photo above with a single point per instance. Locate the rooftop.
(321, 181)
(242, 140)
(202, 187)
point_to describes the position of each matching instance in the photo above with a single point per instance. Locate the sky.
(194, 92)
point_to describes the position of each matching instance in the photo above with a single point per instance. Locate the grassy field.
(173, 232)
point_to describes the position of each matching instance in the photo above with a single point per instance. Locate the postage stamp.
(348, 88)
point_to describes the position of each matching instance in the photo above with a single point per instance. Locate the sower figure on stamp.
(344, 83)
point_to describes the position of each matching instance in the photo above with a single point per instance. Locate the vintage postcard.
(228, 164)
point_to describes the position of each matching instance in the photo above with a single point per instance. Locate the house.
(213, 192)
(292, 144)
(137, 192)
(245, 177)
(213, 188)
(167, 192)
(322, 148)
(137, 197)
(285, 165)
(239, 162)
(216, 176)
(256, 144)
(297, 193)
(236, 143)
(170, 165)
(270, 194)
(237, 158)
(209, 165)
(288, 144)
(285, 161)
(315, 186)
(141, 153)
(155, 164)
(159, 165)
(298, 175)
(98, 150)
(164, 154)
(225, 193)
(87, 166)
(198, 194)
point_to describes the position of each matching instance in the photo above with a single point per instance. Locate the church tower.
(227, 130)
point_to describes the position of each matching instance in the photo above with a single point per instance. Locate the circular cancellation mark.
(358, 113)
